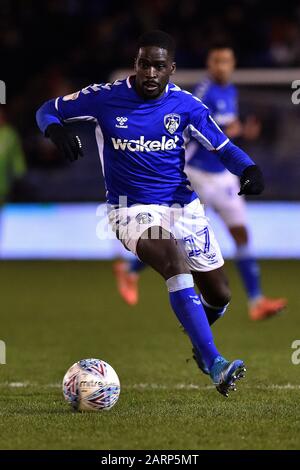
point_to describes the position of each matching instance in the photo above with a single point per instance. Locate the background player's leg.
(246, 263)
(158, 249)
(215, 292)
(127, 275)
(127, 282)
(136, 266)
(232, 209)
(260, 307)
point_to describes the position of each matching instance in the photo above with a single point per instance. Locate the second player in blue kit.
(216, 186)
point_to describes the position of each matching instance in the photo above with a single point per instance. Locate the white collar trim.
(128, 82)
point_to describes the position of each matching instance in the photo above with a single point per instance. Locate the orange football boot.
(127, 282)
(265, 308)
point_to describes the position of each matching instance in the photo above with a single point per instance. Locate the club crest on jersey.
(144, 218)
(121, 122)
(171, 122)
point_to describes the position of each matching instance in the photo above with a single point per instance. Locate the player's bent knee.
(173, 262)
(217, 311)
(225, 297)
(219, 299)
(162, 253)
(174, 267)
(222, 294)
(225, 300)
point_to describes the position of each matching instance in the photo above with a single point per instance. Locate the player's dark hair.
(215, 46)
(159, 39)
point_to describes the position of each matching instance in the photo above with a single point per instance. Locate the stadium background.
(52, 48)
(54, 313)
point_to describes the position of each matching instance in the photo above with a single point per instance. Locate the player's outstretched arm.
(50, 123)
(252, 181)
(238, 162)
(83, 105)
(208, 133)
(68, 144)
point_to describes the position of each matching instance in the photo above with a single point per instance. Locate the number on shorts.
(190, 240)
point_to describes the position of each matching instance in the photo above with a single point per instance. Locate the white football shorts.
(219, 191)
(187, 224)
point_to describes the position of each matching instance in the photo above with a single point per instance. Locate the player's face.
(220, 64)
(153, 68)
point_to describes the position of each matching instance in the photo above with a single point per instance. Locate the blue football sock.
(189, 311)
(249, 272)
(213, 313)
(135, 265)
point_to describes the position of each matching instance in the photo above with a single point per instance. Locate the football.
(91, 385)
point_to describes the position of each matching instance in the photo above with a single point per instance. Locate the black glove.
(68, 144)
(252, 181)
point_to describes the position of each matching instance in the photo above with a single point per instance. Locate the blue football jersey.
(222, 101)
(141, 142)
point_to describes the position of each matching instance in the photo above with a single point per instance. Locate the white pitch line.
(206, 387)
(154, 386)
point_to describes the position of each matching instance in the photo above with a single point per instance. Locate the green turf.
(55, 313)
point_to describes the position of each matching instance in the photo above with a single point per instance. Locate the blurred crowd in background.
(53, 47)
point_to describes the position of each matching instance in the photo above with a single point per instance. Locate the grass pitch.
(55, 313)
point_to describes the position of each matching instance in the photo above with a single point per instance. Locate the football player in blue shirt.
(216, 186)
(143, 124)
